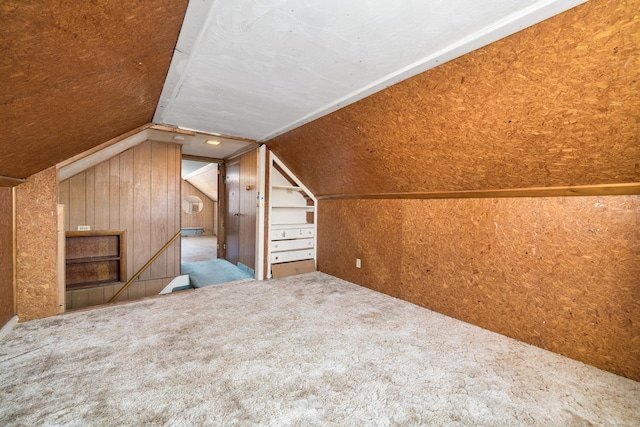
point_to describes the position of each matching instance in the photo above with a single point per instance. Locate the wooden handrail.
(144, 267)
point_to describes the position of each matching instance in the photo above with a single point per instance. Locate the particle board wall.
(559, 273)
(136, 191)
(206, 218)
(36, 246)
(557, 104)
(76, 74)
(6, 255)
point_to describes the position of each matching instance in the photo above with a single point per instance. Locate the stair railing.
(144, 267)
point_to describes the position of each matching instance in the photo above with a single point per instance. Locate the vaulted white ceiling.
(258, 68)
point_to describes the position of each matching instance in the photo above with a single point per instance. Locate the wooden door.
(232, 212)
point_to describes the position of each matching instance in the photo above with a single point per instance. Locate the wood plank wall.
(37, 246)
(6, 255)
(248, 209)
(557, 104)
(206, 218)
(137, 191)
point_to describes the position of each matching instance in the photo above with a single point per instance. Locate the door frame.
(261, 209)
(222, 211)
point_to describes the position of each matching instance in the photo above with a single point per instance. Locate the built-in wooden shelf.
(95, 258)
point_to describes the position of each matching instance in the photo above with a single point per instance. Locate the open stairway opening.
(200, 262)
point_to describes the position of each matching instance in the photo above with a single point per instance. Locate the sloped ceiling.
(75, 74)
(204, 179)
(257, 69)
(556, 105)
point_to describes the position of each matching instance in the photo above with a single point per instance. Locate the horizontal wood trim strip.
(174, 129)
(192, 133)
(201, 158)
(248, 149)
(92, 259)
(93, 233)
(8, 181)
(102, 146)
(584, 190)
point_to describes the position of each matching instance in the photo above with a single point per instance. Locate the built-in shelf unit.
(94, 258)
(292, 223)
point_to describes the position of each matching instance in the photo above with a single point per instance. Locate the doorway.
(210, 243)
(199, 211)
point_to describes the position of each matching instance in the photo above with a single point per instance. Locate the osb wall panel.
(559, 273)
(36, 246)
(77, 74)
(136, 191)
(206, 218)
(366, 229)
(6, 255)
(557, 104)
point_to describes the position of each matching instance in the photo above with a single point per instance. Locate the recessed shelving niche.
(95, 258)
(292, 228)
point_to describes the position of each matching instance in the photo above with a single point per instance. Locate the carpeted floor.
(213, 272)
(308, 350)
(198, 248)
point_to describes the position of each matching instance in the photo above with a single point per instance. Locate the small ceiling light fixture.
(213, 142)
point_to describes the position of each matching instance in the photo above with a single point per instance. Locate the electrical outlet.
(358, 263)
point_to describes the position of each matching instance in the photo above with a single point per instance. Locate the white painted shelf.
(292, 217)
(287, 187)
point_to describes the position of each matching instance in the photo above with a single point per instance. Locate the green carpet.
(213, 272)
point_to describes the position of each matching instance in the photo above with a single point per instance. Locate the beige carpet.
(310, 350)
(198, 248)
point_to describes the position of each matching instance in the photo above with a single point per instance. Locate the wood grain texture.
(6, 255)
(82, 298)
(102, 183)
(142, 170)
(159, 207)
(36, 246)
(559, 273)
(557, 104)
(76, 74)
(248, 208)
(206, 218)
(93, 258)
(173, 208)
(126, 214)
(130, 192)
